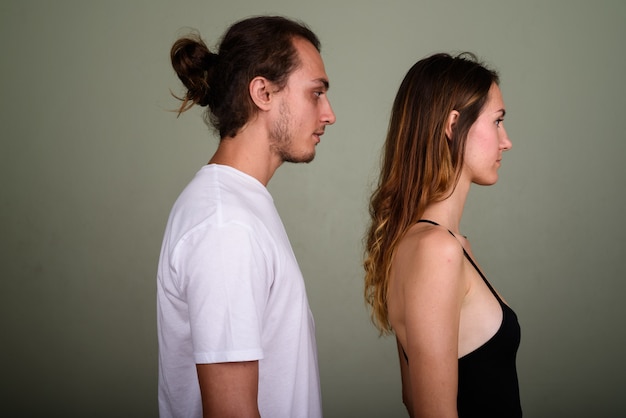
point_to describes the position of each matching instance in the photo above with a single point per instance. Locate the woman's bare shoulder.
(430, 243)
(429, 257)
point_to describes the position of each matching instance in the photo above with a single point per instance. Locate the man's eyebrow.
(323, 82)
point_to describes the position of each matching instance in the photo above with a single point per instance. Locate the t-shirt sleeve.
(226, 279)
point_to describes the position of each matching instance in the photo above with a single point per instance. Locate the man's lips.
(318, 134)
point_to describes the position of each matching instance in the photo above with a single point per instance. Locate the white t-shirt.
(229, 289)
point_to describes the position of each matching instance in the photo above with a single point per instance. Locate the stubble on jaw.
(282, 139)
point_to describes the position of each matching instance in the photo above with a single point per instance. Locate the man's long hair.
(259, 46)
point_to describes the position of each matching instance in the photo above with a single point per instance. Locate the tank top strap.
(428, 221)
(467, 256)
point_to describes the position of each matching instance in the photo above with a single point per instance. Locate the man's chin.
(299, 159)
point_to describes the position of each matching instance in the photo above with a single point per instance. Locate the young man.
(236, 335)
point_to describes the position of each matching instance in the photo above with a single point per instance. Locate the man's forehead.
(312, 70)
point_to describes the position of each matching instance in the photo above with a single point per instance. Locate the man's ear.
(261, 90)
(453, 117)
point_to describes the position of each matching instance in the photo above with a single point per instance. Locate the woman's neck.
(448, 212)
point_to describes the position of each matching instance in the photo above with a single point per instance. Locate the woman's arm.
(434, 288)
(406, 382)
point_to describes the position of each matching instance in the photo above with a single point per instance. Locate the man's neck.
(248, 152)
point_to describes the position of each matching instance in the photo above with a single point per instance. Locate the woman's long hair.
(420, 164)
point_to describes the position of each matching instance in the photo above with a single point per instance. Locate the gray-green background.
(91, 161)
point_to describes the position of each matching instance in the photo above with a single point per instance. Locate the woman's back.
(485, 382)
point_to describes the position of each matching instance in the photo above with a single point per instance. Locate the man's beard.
(282, 139)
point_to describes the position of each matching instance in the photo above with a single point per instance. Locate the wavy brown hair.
(256, 46)
(420, 164)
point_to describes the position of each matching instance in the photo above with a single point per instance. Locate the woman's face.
(486, 141)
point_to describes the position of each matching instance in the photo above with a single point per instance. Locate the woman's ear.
(453, 117)
(260, 90)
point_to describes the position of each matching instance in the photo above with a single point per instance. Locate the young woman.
(457, 338)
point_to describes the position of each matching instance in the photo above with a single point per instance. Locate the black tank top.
(488, 385)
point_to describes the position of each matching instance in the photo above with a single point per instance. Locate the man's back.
(230, 290)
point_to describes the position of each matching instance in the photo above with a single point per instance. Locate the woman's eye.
(499, 121)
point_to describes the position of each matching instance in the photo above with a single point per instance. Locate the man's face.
(304, 109)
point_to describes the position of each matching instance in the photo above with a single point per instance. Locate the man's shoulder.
(222, 186)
